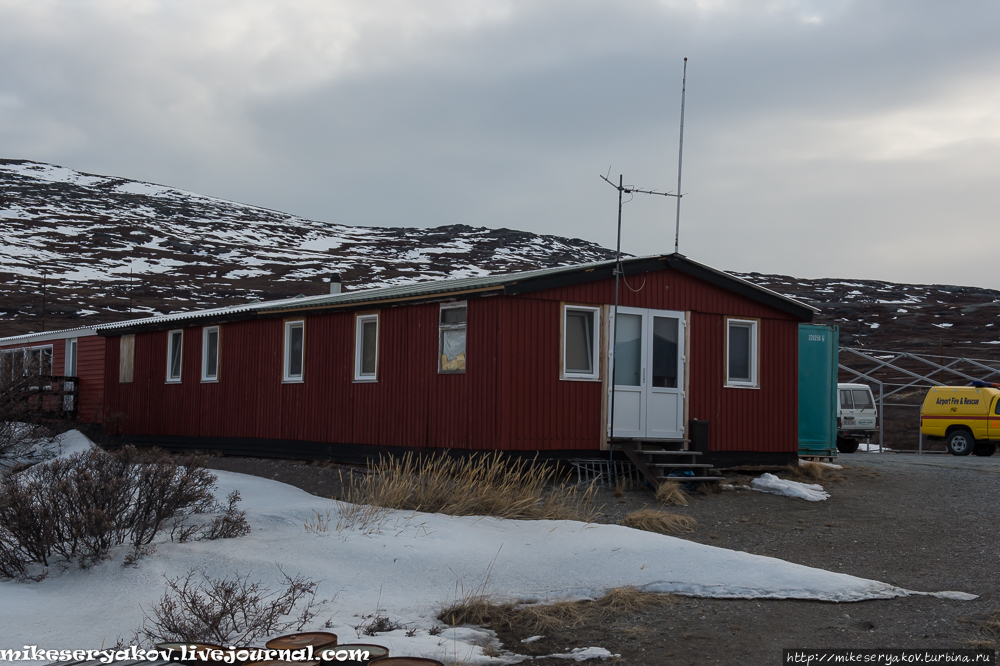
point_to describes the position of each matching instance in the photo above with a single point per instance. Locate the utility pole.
(44, 275)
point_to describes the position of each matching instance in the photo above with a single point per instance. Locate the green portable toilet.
(818, 389)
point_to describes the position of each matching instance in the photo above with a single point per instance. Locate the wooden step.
(668, 453)
(690, 479)
(680, 465)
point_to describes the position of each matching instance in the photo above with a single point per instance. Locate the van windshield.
(862, 399)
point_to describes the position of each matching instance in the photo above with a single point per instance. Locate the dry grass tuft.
(488, 485)
(483, 610)
(631, 600)
(660, 522)
(620, 488)
(806, 470)
(670, 492)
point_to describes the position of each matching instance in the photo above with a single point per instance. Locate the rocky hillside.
(958, 321)
(101, 247)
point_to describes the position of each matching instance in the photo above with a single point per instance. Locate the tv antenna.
(622, 189)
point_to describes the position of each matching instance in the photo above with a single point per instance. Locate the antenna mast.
(680, 161)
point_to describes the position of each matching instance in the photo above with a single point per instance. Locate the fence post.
(881, 416)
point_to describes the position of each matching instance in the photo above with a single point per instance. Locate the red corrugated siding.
(410, 404)
(89, 369)
(510, 398)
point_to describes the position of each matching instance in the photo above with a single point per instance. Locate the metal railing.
(894, 372)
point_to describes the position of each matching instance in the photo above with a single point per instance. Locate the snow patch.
(769, 483)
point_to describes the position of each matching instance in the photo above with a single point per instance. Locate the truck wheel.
(960, 443)
(845, 445)
(985, 449)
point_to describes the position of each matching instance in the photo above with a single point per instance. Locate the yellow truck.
(966, 417)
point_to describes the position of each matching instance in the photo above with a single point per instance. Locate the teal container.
(818, 389)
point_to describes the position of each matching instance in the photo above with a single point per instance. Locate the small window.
(581, 326)
(175, 349)
(862, 399)
(366, 349)
(126, 359)
(210, 354)
(741, 356)
(846, 402)
(451, 338)
(295, 336)
(997, 409)
(71, 347)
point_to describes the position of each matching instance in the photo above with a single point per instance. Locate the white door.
(649, 374)
(630, 367)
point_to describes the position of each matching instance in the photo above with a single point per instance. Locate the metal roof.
(508, 283)
(43, 336)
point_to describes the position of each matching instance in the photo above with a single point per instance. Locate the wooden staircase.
(657, 460)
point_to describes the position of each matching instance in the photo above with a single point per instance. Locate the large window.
(366, 349)
(451, 338)
(741, 353)
(210, 354)
(175, 353)
(295, 338)
(126, 359)
(581, 332)
(71, 348)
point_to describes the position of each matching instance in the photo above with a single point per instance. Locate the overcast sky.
(823, 139)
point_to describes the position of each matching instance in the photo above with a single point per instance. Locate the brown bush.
(83, 505)
(196, 608)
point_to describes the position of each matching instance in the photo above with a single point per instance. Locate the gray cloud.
(856, 139)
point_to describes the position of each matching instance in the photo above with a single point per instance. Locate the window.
(845, 400)
(862, 399)
(741, 353)
(126, 359)
(210, 354)
(175, 348)
(366, 349)
(295, 337)
(581, 326)
(451, 338)
(38, 362)
(71, 347)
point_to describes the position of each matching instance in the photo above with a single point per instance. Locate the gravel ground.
(920, 522)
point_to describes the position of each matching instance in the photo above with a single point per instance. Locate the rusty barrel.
(313, 639)
(335, 653)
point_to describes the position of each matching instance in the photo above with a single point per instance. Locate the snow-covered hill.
(101, 240)
(110, 245)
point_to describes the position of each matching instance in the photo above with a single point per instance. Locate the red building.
(76, 353)
(518, 363)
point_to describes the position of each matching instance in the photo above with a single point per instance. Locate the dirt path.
(925, 523)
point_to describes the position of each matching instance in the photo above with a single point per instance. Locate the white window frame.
(286, 375)
(595, 352)
(452, 305)
(72, 352)
(205, 378)
(359, 323)
(754, 326)
(170, 353)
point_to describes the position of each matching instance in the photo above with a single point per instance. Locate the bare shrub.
(81, 506)
(22, 379)
(372, 625)
(488, 485)
(226, 611)
(231, 524)
(661, 522)
(670, 492)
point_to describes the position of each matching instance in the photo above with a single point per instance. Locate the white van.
(857, 416)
